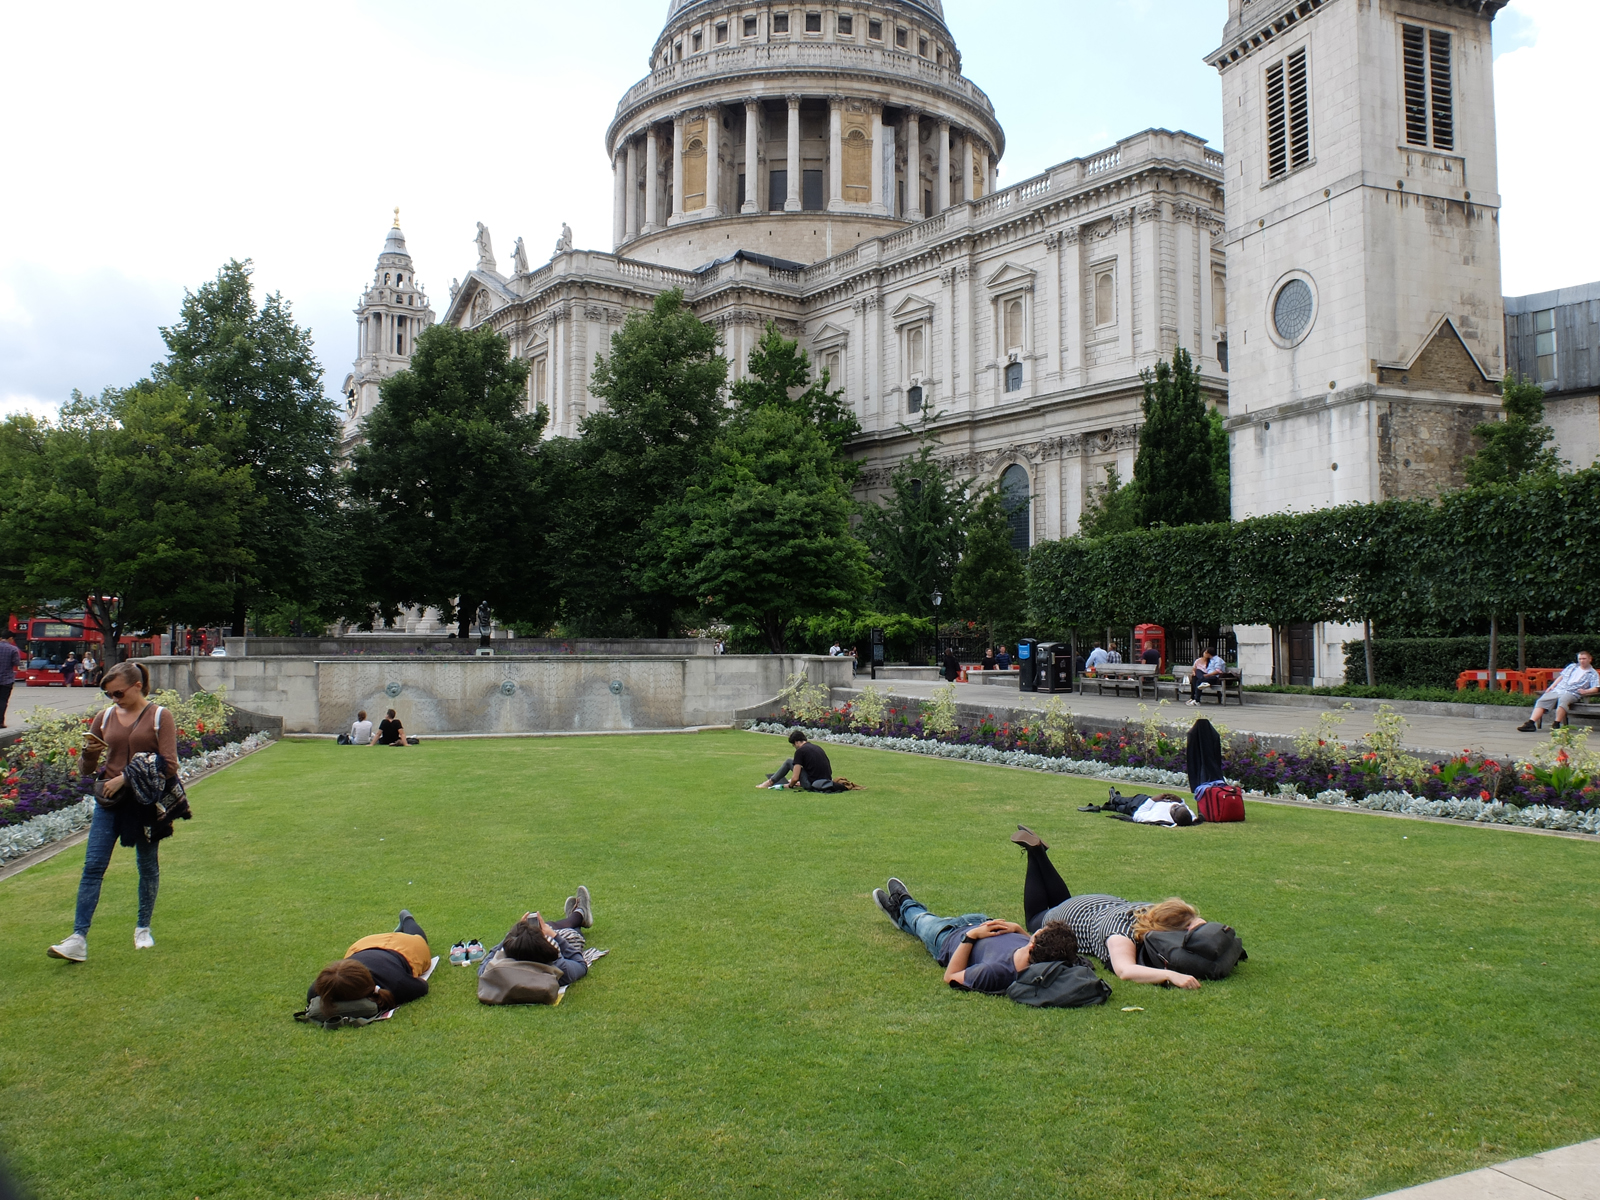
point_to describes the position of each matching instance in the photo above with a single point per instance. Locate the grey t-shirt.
(1095, 918)
(991, 968)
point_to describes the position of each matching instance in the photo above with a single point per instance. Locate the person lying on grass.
(388, 967)
(533, 939)
(809, 762)
(977, 952)
(1107, 927)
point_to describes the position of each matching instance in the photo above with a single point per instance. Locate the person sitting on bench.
(1208, 668)
(1576, 680)
(1106, 927)
(389, 967)
(978, 953)
(810, 765)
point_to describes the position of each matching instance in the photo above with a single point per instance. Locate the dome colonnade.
(805, 127)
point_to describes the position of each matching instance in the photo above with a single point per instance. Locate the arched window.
(1013, 324)
(1014, 495)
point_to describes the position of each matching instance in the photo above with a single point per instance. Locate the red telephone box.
(1146, 636)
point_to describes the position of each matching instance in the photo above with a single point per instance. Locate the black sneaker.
(898, 890)
(891, 908)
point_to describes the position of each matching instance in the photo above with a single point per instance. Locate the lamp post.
(938, 599)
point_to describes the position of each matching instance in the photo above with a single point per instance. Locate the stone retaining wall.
(503, 694)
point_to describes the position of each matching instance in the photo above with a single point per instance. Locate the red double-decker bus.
(47, 641)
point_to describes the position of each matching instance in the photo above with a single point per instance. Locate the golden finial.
(397, 216)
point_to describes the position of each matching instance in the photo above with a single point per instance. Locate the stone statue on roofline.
(564, 242)
(455, 288)
(519, 258)
(485, 250)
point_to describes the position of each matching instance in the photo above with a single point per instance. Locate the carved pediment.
(830, 336)
(912, 308)
(1010, 278)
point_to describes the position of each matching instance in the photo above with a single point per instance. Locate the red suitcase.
(1222, 802)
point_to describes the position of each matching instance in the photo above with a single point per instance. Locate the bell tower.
(1365, 318)
(393, 311)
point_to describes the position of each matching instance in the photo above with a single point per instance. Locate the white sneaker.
(142, 939)
(73, 949)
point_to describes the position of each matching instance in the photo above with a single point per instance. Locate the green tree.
(779, 374)
(1221, 460)
(447, 490)
(1175, 470)
(635, 459)
(1517, 445)
(1114, 510)
(990, 585)
(768, 539)
(259, 367)
(916, 534)
(132, 502)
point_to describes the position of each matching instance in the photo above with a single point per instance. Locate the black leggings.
(1042, 888)
(408, 924)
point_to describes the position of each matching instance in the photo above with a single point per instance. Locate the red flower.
(72, 750)
(200, 725)
(1485, 796)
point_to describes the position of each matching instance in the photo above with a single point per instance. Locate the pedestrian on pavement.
(10, 660)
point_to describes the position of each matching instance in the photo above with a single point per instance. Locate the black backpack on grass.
(1059, 985)
(1208, 951)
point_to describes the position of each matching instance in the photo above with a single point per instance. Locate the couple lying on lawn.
(389, 967)
(980, 954)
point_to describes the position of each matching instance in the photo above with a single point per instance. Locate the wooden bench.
(1117, 676)
(1588, 710)
(1229, 684)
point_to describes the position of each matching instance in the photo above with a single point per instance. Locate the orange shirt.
(407, 945)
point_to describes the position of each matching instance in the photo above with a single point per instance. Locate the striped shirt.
(1095, 918)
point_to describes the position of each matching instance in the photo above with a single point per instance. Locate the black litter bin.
(1027, 665)
(1054, 670)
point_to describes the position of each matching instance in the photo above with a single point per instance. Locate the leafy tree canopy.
(447, 486)
(258, 366)
(1114, 510)
(779, 374)
(1517, 445)
(990, 584)
(1175, 470)
(917, 532)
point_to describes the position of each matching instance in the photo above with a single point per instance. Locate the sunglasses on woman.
(115, 695)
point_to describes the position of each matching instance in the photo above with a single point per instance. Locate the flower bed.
(1562, 776)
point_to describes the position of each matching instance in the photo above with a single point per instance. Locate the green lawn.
(1418, 1000)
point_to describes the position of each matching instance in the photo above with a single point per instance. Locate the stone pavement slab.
(1441, 735)
(1570, 1173)
(63, 699)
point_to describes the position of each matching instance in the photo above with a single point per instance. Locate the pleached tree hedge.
(1441, 566)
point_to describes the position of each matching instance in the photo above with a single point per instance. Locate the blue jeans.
(97, 857)
(935, 931)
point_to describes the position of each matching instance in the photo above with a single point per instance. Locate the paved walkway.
(1448, 735)
(25, 699)
(1571, 1173)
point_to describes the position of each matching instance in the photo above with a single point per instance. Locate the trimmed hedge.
(1435, 662)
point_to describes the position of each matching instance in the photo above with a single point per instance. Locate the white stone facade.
(393, 311)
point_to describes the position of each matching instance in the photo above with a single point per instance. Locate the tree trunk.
(1366, 637)
(1276, 673)
(238, 613)
(1494, 650)
(1522, 642)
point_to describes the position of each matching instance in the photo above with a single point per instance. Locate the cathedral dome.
(770, 116)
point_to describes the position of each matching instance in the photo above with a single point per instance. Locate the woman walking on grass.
(131, 726)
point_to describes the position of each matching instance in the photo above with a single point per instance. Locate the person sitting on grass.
(361, 730)
(1208, 669)
(390, 731)
(1107, 927)
(388, 967)
(1576, 680)
(977, 952)
(558, 943)
(809, 763)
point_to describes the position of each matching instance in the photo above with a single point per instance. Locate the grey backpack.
(339, 1013)
(1059, 985)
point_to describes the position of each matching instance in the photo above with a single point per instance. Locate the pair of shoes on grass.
(75, 948)
(892, 900)
(466, 954)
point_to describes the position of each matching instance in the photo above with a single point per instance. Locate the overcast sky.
(144, 145)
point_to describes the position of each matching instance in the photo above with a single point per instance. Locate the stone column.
(942, 199)
(652, 191)
(752, 168)
(990, 169)
(619, 183)
(876, 152)
(630, 227)
(677, 168)
(966, 168)
(913, 167)
(791, 202)
(835, 151)
(713, 160)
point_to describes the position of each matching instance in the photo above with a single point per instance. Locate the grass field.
(1418, 999)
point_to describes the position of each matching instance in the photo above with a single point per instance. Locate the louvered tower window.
(1288, 114)
(1430, 104)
